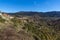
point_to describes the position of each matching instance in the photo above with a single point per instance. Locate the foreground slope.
(31, 26)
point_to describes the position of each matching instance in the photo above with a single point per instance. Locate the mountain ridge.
(42, 14)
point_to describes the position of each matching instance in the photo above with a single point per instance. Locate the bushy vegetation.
(2, 20)
(38, 29)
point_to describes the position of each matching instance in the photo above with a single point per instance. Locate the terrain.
(30, 26)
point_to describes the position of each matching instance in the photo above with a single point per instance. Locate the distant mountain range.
(41, 14)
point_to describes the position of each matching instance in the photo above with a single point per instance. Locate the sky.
(29, 5)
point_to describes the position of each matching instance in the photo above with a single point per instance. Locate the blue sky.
(29, 5)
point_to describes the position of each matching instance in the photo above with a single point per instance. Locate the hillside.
(30, 26)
